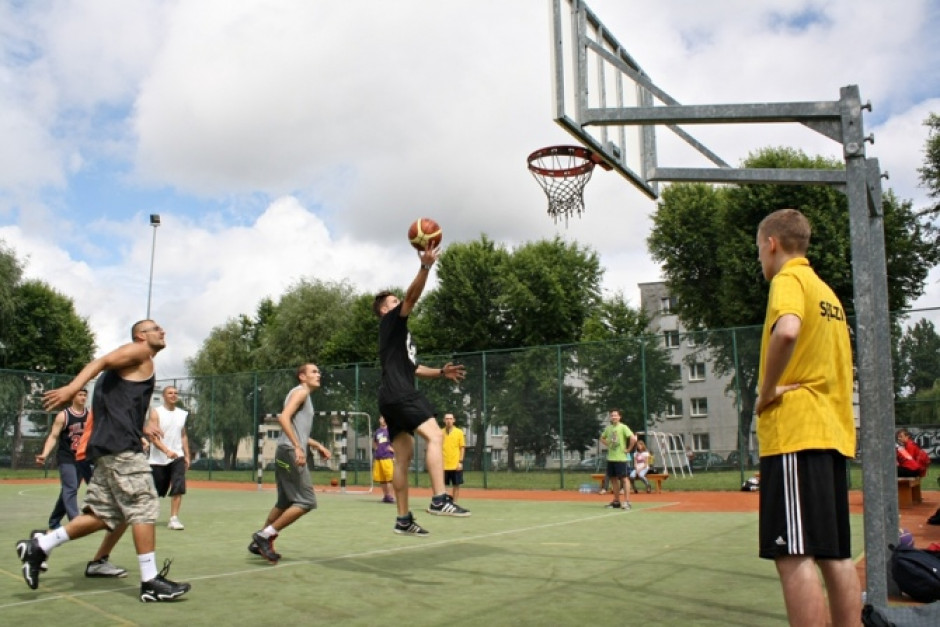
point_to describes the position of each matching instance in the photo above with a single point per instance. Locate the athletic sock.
(51, 540)
(438, 498)
(404, 519)
(148, 566)
(268, 532)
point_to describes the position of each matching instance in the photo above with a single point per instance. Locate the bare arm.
(154, 433)
(779, 351)
(130, 356)
(186, 456)
(294, 403)
(454, 372)
(325, 452)
(53, 438)
(414, 291)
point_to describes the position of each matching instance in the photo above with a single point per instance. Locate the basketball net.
(562, 172)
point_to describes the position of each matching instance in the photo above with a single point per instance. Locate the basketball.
(905, 538)
(334, 482)
(425, 233)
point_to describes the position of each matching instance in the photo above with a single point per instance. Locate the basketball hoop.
(563, 171)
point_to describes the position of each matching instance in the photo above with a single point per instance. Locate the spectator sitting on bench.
(912, 460)
(641, 466)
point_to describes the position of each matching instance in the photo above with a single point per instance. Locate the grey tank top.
(302, 423)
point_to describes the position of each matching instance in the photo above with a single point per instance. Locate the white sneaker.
(175, 524)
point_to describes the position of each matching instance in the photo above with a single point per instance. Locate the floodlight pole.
(154, 222)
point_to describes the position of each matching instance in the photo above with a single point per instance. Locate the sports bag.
(917, 572)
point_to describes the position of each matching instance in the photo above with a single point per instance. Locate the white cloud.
(282, 138)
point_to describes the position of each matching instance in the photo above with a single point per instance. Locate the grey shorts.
(294, 487)
(122, 490)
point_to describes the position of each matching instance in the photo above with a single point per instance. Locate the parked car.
(589, 464)
(204, 463)
(706, 460)
(751, 460)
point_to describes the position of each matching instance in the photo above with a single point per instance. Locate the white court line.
(419, 543)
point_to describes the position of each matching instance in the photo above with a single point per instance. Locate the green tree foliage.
(48, 336)
(930, 172)
(624, 367)
(10, 273)
(305, 317)
(918, 367)
(704, 236)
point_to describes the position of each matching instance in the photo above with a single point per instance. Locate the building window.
(495, 430)
(674, 410)
(700, 442)
(671, 339)
(697, 371)
(667, 304)
(497, 455)
(698, 407)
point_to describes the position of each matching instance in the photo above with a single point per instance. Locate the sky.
(287, 139)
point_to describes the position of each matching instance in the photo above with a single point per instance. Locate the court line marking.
(420, 543)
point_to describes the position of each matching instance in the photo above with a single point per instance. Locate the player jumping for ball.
(406, 410)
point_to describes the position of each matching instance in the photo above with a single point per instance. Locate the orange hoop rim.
(578, 152)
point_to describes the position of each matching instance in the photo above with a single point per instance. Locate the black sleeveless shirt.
(70, 435)
(121, 409)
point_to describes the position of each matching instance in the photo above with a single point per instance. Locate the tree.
(918, 367)
(624, 367)
(303, 321)
(704, 236)
(930, 172)
(10, 273)
(49, 336)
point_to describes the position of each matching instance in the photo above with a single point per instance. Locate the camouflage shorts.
(122, 490)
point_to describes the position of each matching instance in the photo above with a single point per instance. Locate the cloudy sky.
(281, 139)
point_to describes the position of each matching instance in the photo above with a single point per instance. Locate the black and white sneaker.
(35, 533)
(265, 547)
(32, 557)
(447, 507)
(253, 548)
(613, 505)
(409, 527)
(162, 589)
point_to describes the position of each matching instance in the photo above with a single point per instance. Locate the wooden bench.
(652, 478)
(909, 491)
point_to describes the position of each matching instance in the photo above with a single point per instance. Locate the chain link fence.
(538, 410)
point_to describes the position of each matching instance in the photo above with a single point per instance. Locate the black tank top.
(70, 435)
(121, 408)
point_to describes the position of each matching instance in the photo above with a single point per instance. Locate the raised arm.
(414, 291)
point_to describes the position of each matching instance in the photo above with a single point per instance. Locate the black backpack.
(917, 573)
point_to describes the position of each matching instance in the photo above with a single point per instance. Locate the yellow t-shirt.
(819, 414)
(453, 442)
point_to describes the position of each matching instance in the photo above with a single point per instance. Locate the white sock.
(268, 532)
(148, 566)
(53, 539)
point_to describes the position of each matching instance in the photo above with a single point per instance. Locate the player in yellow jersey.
(806, 430)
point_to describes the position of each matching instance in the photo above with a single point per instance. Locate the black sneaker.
(410, 528)
(613, 505)
(265, 547)
(162, 589)
(32, 557)
(447, 507)
(253, 548)
(35, 533)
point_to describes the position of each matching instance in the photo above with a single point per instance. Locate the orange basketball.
(425, 233)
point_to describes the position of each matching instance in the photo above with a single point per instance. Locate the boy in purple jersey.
(383, 467)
